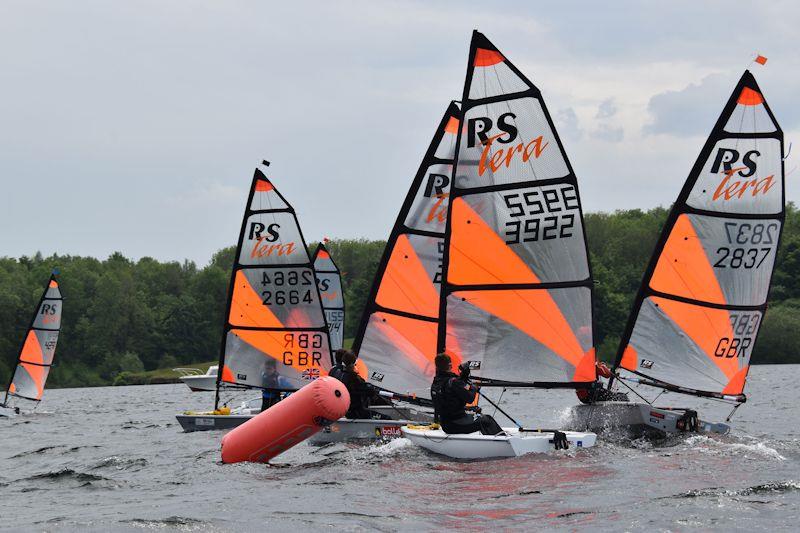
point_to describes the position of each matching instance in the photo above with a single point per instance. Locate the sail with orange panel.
(396, 338)
(275, 335)
(329, 280)
(39, 347)
(517, 294)
(702, 301)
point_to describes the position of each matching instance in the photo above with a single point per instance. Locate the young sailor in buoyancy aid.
(273, 384)
(450, 394)
(338, 368)
(360, 391)
(597, 392)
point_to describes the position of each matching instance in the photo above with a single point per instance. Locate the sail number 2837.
(543, 213)
(749, 244)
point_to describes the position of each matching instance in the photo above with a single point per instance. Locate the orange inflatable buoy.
(288, 422)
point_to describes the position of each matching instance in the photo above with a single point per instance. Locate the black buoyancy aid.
(447, 403)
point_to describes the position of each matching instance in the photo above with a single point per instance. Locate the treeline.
(129, 316)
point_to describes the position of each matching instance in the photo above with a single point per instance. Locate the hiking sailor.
(450, 394)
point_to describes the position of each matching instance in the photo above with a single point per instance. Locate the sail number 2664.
(287, 287)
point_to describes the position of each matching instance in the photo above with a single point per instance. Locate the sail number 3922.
(541, 214)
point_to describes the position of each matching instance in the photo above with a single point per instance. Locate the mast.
(38, 349)
(703, 296)
(517, 294)
(275, 336)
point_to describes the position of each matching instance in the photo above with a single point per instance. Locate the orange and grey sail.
(517, 294)
(704, 294)
(329, 280)
(396, 338)
(275, 334)
(39, 347)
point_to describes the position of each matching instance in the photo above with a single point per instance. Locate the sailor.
(360, 391)
(273, 383)
(338, 368)
(451, 393)
(597, 392)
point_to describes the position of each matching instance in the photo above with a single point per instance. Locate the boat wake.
(715, 446)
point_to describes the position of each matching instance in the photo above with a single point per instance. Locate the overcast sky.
(135, 126)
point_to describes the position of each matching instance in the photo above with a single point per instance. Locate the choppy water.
(115, 458)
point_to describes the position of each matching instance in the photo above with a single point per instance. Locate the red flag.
(761, 60)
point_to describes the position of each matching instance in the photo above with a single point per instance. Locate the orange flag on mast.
(761, 60)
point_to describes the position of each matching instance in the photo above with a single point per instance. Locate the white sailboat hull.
(477, 446)
(634, 419)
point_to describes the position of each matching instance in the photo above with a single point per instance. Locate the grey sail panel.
(396, 339)
(329, 281)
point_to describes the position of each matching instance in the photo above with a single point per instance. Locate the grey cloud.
(608, 133)
(567, 124)
(690, 111)
(607, 109)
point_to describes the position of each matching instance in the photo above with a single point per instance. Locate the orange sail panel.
(329, 280)
(517, 297)
(397, 334)
(696, 318)
(276, 336)
(38, 348)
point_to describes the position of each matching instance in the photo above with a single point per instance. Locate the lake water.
(115, 458)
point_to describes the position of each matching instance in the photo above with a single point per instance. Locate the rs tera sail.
(275, 334)
(517, 296)
(702, 301)
(396, 338)
(36, 356)
(329, 281)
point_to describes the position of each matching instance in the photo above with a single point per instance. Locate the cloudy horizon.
(135, 127)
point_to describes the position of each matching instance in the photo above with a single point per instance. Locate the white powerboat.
(195, 379)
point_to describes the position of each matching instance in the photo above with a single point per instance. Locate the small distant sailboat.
(275, 335)
(329, 280)
(697, 315)
(37, 352)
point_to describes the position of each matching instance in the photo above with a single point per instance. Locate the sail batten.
(38, 349)
(275, 335)
(697, 315)
(517, 296)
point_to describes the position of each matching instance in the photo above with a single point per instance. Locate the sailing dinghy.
(275, 336)
(516, 292)
(396, 338)
(329, 280)
(697, 315)
(37, 352)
